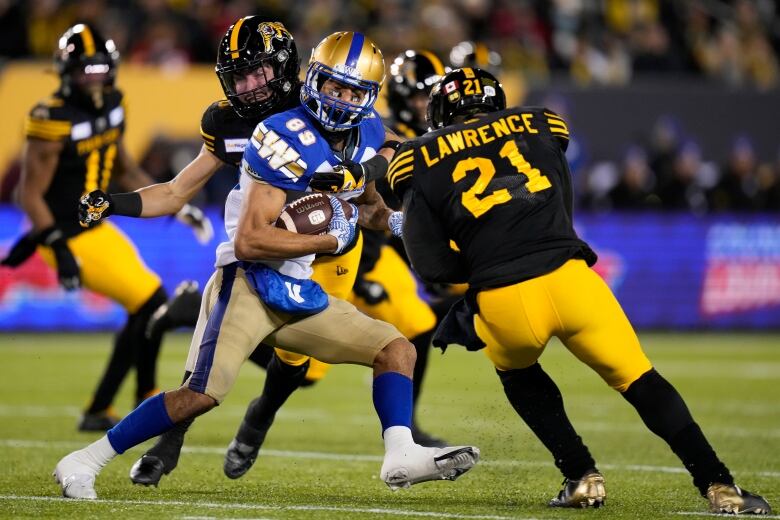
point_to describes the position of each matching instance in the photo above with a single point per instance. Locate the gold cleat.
(588, 491)
(725, 498)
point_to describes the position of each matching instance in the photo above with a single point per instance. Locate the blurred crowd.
(590, 42)
(595, 42)
(669, 172)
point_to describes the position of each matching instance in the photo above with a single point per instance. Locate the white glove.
(193, 217)
(396, 223)
(340, 226)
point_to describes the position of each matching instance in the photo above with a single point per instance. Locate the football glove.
(93, 207)
(194, 217)
(371, 292)
(68, 271)
(21, 250)
(396, 223)
(346, 176)
(340, 226)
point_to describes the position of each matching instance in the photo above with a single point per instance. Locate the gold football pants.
(572, 303)
(110, 265)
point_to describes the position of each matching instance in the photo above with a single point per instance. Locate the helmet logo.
(271, 31)
(351, 72)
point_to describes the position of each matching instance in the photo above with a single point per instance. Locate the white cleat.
(415, 464)
(75, 477)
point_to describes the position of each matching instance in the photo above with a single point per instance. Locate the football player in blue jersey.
(246, 302)
(257, 66)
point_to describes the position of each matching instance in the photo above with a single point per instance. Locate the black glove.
(68, 271)
(346, 176)
(21, 250)
(372, 292)
(93, 207)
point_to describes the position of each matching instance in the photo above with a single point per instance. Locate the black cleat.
(98, 421)
(181, 310)
(426, 439)
(239, 458)
(147, 471)
(732, 499)
(588, 491)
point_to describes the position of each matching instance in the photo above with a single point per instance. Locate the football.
(308, 215)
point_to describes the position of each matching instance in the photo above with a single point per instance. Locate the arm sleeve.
(427, 243)
(558, 128)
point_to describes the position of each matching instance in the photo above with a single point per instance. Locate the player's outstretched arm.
(154, 200)
(167, 198)
(257, 237)
(350, 175)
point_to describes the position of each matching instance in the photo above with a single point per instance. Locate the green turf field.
(322, 459)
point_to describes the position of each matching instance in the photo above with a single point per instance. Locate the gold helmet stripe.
(438, 67)
(481, 55)
(89, 41)
(234, 37)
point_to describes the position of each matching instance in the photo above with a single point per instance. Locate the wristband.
(395, 145)
(128, 204)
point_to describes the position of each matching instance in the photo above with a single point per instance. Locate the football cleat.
(147, 471)
(75, 477)
(416, 464)
(239, 458)
(424, 438)
(98, 421)
(588, 491)
(181, 310)
(725, 498)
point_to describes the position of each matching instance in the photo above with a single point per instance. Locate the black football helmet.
(81, 49)
(412, 72)
(463, 92)
(476, 55)
(253, 44)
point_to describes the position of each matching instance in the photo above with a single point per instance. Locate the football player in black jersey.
(74, 145)
(258, 68)
(487, 197)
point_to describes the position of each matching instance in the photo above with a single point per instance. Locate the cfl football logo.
(317, 217)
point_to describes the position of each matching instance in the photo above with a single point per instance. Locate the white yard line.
(261, 507)
(347, 457)
(699, 513)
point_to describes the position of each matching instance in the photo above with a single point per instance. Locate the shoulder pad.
(48, 120)
(271, 156)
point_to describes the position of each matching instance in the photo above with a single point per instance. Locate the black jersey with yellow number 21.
(498, 179)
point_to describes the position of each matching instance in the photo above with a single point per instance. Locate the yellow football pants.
(336, 275)
(110, 265)
(572, 303)
(404, 308)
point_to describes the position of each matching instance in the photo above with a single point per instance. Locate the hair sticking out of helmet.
(257, 66)
(463, 92)
(86, 64)
(412, 75)
(353, 61)
(476, 55)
